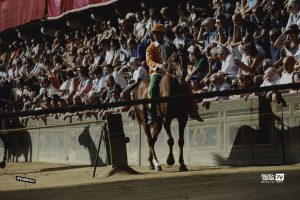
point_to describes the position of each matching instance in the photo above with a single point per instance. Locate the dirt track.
(72, 183)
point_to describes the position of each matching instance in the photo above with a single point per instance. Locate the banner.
(58, 8)
(17, 12)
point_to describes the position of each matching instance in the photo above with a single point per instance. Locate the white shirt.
(141, 73)
(98, 84)
(286, 78)
(111, 55)
(268, 83)
(179, 42)
(224, 86)
(3, 74)
(228, 66)
(294, 19)
(119, 79)
(65, 85)
(37, 69)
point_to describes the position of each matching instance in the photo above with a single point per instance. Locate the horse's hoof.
(151, 167)
(158, 168)
(2, 165)
(183, 168)
(170, 160)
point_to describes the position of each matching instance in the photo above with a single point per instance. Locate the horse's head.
(177, 65)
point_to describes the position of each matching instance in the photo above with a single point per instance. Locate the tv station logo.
(272, 178)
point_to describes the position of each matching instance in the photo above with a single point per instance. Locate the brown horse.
(171, 84)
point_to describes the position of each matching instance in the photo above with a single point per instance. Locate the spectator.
(85, 83)
(111, 86)
(217, 83)
(294, 9)
(271, 77)
(207, 32)
(200, 65)
(139, 74)
(287, 74)
(291, 45)
(257, 39)
(228, 63)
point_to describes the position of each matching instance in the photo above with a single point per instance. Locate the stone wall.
(235, 132)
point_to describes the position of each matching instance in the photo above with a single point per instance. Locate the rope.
(294, 86)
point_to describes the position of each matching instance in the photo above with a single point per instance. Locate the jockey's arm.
(151, 60)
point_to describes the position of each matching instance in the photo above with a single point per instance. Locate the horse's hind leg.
(156, 130)
(167, 125)
(149, 140)
(182, 124)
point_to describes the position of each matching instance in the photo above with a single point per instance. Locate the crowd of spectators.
(230, 45)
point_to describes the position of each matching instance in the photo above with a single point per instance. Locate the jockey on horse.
(157, 54)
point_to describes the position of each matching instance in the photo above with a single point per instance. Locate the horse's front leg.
(167, 125)
(182, 124)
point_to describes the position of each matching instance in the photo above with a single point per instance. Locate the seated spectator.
(253, 60)
(85, 83)
(224, 30)
(289, 41)
(139, 74)
(271, 77)
(113, 54)
(287, 74)
(294, 9)
(228, 62)
(117, 74)
(217, 83)
(200, 67)
(111, 86)
(47, 89)
(243, 82)
(207, 32)
(115, 97)
(275, 51)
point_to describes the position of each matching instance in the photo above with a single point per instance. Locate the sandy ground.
(211, 183)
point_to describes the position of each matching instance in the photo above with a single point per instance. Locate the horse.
(172, 83)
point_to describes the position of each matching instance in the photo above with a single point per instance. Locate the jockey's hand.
(159, 68)
(165, 65)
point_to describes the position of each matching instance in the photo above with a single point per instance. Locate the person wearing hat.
(156, 57)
